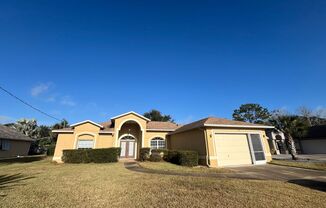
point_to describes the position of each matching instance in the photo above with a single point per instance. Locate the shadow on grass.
(317, 185)
(8, 181)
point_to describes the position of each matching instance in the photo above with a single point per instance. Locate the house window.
(4, 144)
(85, 144)
(157, 143)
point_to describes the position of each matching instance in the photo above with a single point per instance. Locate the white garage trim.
(251, 149)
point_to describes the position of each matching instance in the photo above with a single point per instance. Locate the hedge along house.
(130, 131)
(219, 142)
(222, 142)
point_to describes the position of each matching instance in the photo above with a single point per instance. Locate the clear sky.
(191, 59)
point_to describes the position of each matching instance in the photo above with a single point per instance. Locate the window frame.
(5, 144)
(93, 142)
(157, 145)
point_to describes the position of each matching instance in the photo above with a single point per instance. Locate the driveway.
(275, 172)
(314, 157)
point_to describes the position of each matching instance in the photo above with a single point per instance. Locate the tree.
(313, 117)
(290, 125)
(63, 124)
(156, 115)
(27, 127)
(253, 113)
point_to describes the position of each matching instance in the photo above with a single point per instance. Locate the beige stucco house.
(219, 142)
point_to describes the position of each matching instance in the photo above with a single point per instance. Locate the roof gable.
(130, 112)
(86, 121)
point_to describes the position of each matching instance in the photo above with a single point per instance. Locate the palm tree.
(291, 126)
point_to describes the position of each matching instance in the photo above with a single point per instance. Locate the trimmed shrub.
(104, 155)
(188, 158)
(50, 150)
(163, 152)
(172, 156)
(183, 157)
(144, 154)
(155, 157)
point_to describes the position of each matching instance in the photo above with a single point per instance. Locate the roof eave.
(87, 121)
(161, 130)
(240, 126)
(130, 112)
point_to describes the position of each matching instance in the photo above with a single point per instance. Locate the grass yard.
(45, 184)
(172, 168)
(307, 165)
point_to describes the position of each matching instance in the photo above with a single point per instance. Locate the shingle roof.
(166, 125)
(217, 122)
(12, 134)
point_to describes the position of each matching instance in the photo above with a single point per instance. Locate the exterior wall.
(313, 146)
(83, 131)
(130, 117)
(190, 140)
(20, 148)
(152, 134)
(213, 161)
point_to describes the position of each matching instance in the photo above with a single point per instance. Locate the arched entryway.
(128, 147)
(129, 139)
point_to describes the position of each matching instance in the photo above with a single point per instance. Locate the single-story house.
(314, 142)
(13, 143)
(219, 142)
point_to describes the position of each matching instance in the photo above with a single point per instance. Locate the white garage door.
(232, 149)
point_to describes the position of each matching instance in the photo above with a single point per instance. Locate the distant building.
(13, 143)
(314, 142)
(276, 141)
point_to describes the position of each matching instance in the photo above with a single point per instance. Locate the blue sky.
(191, 59)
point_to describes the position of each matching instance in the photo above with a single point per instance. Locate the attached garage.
(221, 142)
(239, 149)
(232, 149)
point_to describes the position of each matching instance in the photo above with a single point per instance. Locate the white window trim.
(157, 139)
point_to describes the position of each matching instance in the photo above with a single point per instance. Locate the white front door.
(128, 146)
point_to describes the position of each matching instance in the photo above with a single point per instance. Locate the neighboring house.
(276, 141)
(219, 142)
(13, 143)
(314, 142)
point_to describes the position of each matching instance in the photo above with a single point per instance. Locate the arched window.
(157, 143)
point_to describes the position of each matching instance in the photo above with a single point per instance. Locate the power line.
(29, 105)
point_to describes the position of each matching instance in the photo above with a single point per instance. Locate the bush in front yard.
(50, 150)
(163, 152)
(155, 157)
(183, 157)
(187, 158)
(144, 154)
(104, 155)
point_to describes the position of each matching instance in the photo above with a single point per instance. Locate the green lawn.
(172, 168)
(45, 184)
(307, 165)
